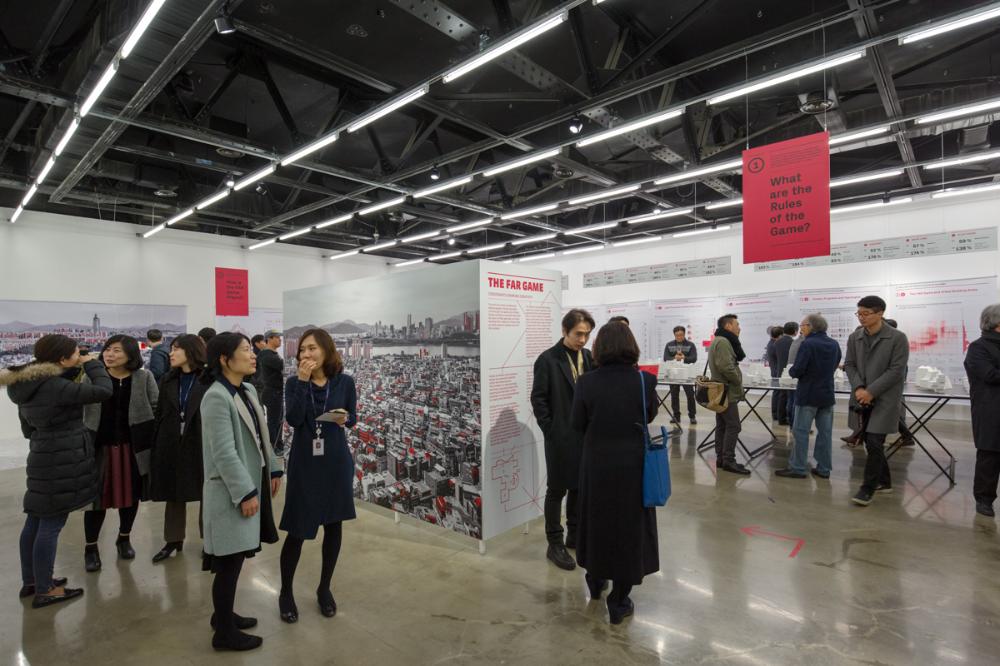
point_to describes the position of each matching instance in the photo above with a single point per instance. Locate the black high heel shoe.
(92, 559)
(125, 550)
(167, 550)
(327, 604)
(287, 609)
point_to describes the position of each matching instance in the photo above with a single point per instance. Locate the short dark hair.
(154, 335)
(575, 317)
(615, 344)
(872, 303)
(725, 319)
(194, 348)
(131, 348)
(223, 344)
(791, 328)
(680, 328)
(207, 334)
(53, 348)
(333, 365)
(619, 319)
(257, 338)
(776, 331)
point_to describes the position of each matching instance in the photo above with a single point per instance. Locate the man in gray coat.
(877, 355)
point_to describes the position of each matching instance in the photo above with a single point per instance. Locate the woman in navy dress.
(320, 466)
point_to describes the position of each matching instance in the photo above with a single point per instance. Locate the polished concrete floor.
(912, 579)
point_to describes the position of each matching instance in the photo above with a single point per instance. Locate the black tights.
(93, 521)
(619, 592)
(292, 549)
(227, 574)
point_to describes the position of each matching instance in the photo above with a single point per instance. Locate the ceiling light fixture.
(458, 182)
(524, 161)
(967, 159)
(533, 239)
(224, 25)
(699, 232)
(67, 135)
(630, 127)
(865, 177)
(725, 204)
(381, 206)
(448, 255)
(344, 255)
(263, 244)
(581, 250)
(607, 194)
(487, 248)
(293, 234)
(386, 109)
(380, 246)
(637, 241)
(336, 220)
(29, 194)
(875, 204)
(963, 22)
(770, 81)
(16, 214)
(536, 257)
(468, 225)
(435, 174)
(967, 110)
(600, 226)
(857, 136)
(310, 148)
(451, 241)
(410, 263)
(962, 191)
(140, 27)
(514, 214)
(255, 176)
(575, 125)
(102, 83)
(155, 230)
(420, 237)
(215, 198)
(180, 216)
(503, 47)
(45, 170)
(730, 165)
(676, 212)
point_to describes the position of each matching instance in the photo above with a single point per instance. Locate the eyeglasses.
(862, 315)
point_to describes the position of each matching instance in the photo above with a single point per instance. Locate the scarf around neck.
(734, 341)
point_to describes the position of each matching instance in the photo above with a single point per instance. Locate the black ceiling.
(194, 107)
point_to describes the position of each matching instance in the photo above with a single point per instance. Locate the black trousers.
(553, 514)
(876, 466)
(675, 400)
(984, 485)
(727, 432)
(273, 405)
(227, 575)
(779, 406)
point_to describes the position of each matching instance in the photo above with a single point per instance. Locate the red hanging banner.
(786, 200)
(232, 292)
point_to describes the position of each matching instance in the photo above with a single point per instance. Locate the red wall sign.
(786, 200)
(232, 292)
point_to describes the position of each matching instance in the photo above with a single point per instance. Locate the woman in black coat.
(617, 534)
(62, 472)
(320, 489)
(982, 365)
(176, 474)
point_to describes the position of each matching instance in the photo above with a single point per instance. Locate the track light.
(630, 127)
(503, 47)
(778, 79)
(224, 25)
(575, 125)
(230, 181)
(261, 189)
(435, 174)
(451, 241)
(957, 24)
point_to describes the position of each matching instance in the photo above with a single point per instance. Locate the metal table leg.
(921, 422)
(709, 440)
(675, 419)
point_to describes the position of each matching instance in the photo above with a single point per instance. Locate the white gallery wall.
(63, 258)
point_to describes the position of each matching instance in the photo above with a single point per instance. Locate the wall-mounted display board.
(676, 270)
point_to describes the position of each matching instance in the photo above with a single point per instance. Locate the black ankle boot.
(124, 547)
(167, 550)
(327, 604)
(236, 641)
(92, 558)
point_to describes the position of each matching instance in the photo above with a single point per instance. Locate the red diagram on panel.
(935, 336)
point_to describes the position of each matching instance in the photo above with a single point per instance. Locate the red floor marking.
(755, 530)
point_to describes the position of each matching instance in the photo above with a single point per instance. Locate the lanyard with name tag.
(318, 444)
(184, 401)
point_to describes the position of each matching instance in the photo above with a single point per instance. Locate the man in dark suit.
(556, 373)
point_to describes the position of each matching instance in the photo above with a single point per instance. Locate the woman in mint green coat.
(242, 474)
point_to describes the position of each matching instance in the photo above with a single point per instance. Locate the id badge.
(182, 428)
(319, 445)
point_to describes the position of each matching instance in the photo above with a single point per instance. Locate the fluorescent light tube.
(698, 232)
(487, 248)
(469, 225)
(528, 211)
(637, 241)
(344, 255)
(70, 131)
(875, 204)
(382, 206)
(856, 136)
(155, 230)
(592, 227)
(419, 237)
(535, 257)
(630, 127)
(581, 250)
(524, 161)
(263, 243)
(968, 159)
(386, 109)
(725, 204)
(16, 214)
(730, 165)
(379, 246)
(948, 26)
(215, 198)
(441, 188)
(448, 255)
(310, 148)
(102, 83)
(140, 27)
(960, 191)
(255, 176)
(298, 232)
(45, 170)
(503, 47)
(30, 193)
(960, 111)
(675, 212)
(336, 220)
(865, 177)
(603, 195)
(770, 81)
(409, 263)
(533, 239)
(180, 216)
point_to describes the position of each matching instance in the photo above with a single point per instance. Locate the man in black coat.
(681, 349)
(556, 373)
(982, 365)
(271, 369)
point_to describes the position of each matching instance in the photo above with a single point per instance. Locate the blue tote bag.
(656, 465)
